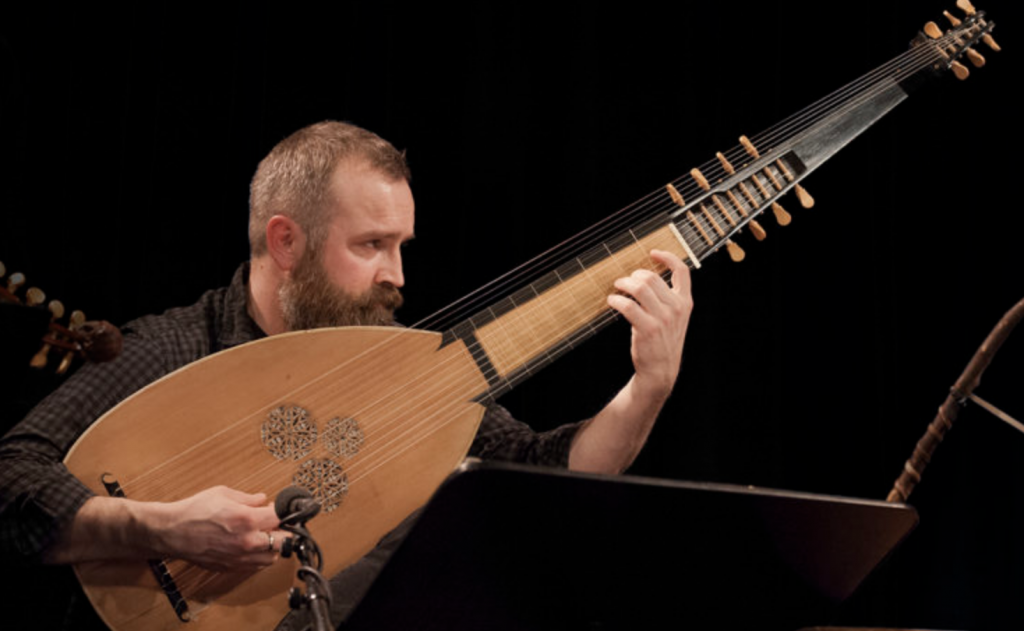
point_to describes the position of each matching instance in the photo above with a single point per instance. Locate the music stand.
(513, 548)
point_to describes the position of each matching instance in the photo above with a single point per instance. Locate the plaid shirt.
(38, 496)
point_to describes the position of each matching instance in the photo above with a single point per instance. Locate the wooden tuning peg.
(959, 70)
(782, 217)
(805, 198)
(966, 6)
(42, 357)
(756, 230)
(953, 20)
(15, 281)
(674, 194)
(34, 296)
(75, 322)
(736, 253)
(725, 163)
(700, 179)
(749, 147)
(991, 43)
(932, 30)
(975, 57)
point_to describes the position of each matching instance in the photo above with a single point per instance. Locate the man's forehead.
(367, 199)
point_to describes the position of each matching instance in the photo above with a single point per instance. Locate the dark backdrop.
(130, 137)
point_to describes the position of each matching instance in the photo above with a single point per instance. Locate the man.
(330, 209)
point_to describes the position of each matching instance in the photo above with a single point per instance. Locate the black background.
(129, 139)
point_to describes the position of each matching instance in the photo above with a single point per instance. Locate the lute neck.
(692, 217)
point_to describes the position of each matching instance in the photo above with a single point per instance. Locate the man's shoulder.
(179, 320)
(218, 320)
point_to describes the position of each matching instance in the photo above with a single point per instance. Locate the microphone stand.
(318, 594)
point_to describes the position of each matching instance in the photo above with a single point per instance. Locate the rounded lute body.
(371, 420)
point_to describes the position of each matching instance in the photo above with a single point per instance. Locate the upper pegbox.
(960, 40)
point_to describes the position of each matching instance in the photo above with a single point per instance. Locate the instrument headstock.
(70, 337)
(960, 40)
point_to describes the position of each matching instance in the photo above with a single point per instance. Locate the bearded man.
(330, 209)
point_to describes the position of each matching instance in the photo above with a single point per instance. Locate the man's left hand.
(659, 314)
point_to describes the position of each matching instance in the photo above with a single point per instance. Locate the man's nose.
(391, 271)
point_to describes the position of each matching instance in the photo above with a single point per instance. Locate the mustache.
(383, 296)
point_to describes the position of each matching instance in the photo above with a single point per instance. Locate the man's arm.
(659, 315)
(219, 528)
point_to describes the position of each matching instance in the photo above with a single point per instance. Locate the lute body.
(196, 428)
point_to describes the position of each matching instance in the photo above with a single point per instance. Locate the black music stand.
(510, 548)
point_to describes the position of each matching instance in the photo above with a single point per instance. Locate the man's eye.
(374, 244)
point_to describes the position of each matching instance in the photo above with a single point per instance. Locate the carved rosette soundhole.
(288, 433)
(325, 479)
(343, 437)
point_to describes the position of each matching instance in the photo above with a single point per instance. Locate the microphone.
(295, 505)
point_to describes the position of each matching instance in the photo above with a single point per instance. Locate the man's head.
(330, 206)
(295, 179)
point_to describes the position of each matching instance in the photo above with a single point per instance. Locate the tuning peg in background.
(932, 30)
(41, 358)
(756, 230)
(75, 322)
(991, 43)
(34, 297)
(15, 281)
(56, 307)
(953, 20)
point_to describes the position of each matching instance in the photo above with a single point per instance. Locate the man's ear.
(286, 242)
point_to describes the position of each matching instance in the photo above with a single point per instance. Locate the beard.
(309, 300)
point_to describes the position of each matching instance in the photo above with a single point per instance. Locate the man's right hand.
(220, 529)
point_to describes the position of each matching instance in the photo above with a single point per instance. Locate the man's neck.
(264, 302)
